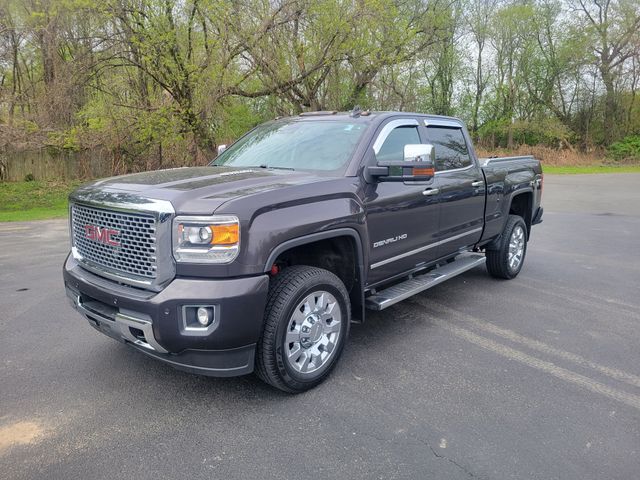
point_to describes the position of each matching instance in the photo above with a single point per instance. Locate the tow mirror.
(422, 159)
(418, 165)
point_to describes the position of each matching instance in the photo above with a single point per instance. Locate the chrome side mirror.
(222, 148)
(420, 153)
(418, 165)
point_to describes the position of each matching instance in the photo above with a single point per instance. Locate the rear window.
(451, 148)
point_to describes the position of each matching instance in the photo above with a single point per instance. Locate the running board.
(392, 295)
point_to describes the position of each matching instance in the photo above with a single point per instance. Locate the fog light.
(204, 316)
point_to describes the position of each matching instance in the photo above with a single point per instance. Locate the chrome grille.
(136, 253)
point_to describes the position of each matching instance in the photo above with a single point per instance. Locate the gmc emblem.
(101, 235)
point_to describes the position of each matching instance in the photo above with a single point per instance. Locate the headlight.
(213, 239)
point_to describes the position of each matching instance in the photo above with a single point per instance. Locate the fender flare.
(493, 244)
(315, 237)
(357, 294)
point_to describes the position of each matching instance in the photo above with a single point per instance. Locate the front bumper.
(152, 322)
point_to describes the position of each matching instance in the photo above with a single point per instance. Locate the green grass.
(592, 169)
(20, 201)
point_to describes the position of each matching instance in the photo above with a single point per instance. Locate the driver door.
(402, 217)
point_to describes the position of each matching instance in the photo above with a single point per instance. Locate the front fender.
(271, 231)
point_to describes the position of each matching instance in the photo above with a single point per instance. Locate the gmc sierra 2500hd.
(262, 259)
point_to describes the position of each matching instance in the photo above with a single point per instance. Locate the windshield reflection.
(298, 145)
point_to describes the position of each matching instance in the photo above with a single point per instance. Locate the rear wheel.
(306, 325)
(506, 260)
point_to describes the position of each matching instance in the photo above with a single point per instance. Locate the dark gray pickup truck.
(262, 259)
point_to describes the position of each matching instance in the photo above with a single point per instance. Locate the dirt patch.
(20, 433)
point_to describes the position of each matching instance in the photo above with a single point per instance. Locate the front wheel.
(306, 325)
(506, 261)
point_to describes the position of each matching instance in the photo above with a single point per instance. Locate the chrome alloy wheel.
(516, 247)
(313, 332)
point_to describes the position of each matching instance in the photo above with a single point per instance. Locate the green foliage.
(236, 118)
(65, 140)
(626, 149)
(33, 200)
(549, 132)
(591, 169)
(159, 83)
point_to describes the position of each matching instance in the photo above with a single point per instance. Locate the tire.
(306, 324)
(504, 261)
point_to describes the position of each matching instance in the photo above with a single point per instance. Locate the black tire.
(286, 291)
(498, 257)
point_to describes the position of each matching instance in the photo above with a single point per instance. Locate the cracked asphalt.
(534, 378)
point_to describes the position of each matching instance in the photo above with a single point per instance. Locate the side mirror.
(221, 148)
(418, 165)
(420, 153)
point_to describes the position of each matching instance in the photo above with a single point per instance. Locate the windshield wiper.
(276, 168)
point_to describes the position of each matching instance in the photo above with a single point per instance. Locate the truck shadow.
(367, 343)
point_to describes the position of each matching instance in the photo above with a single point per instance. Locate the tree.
(477, 17)
(614, 27)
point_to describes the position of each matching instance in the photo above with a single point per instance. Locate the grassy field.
(551, 169)
(21, 201)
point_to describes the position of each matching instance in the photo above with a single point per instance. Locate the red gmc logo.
(102, 235)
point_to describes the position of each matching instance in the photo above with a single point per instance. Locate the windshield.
(309, 145)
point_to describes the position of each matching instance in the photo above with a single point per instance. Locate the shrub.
(626, 149)
(545, 131)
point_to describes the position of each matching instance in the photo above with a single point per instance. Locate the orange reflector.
(423, 171)
(225, 234)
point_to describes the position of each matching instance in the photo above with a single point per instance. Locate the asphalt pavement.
(534, 378)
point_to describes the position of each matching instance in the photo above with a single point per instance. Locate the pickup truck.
(260, 260)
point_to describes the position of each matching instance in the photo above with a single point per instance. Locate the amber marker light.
(424, 172)
(225, 234)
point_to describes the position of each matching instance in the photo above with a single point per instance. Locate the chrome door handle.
(431, 191)
(479, 183)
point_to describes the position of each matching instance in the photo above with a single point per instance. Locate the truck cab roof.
(367, 116)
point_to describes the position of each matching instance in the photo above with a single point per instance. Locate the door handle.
(477, 184)
(431, 191)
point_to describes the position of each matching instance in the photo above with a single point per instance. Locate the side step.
(392, 295)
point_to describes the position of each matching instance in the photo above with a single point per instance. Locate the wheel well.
(339, 255)
(521, 205)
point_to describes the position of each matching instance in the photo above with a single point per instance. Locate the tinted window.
(304, 145)
(451, 148)
(393, 147)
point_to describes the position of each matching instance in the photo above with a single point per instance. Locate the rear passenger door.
(461, 185)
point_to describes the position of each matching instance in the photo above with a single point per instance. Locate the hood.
(197, 190)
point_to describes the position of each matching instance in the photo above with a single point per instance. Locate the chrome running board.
(401, 291)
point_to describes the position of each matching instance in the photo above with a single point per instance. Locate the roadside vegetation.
(157, 83)
(551, 170)
(117, 86)
(21, 201)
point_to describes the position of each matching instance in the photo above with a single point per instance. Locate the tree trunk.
(47, 50)
(478, 96)
(610, 126)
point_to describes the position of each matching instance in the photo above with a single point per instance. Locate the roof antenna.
(355, 113)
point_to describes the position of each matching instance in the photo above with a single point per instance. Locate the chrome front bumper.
(152, 322)
(125, 327)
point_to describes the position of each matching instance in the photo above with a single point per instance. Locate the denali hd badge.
(101, 235)
(390, 240)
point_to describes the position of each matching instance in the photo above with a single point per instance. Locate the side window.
(393, 147)
(451, 148)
